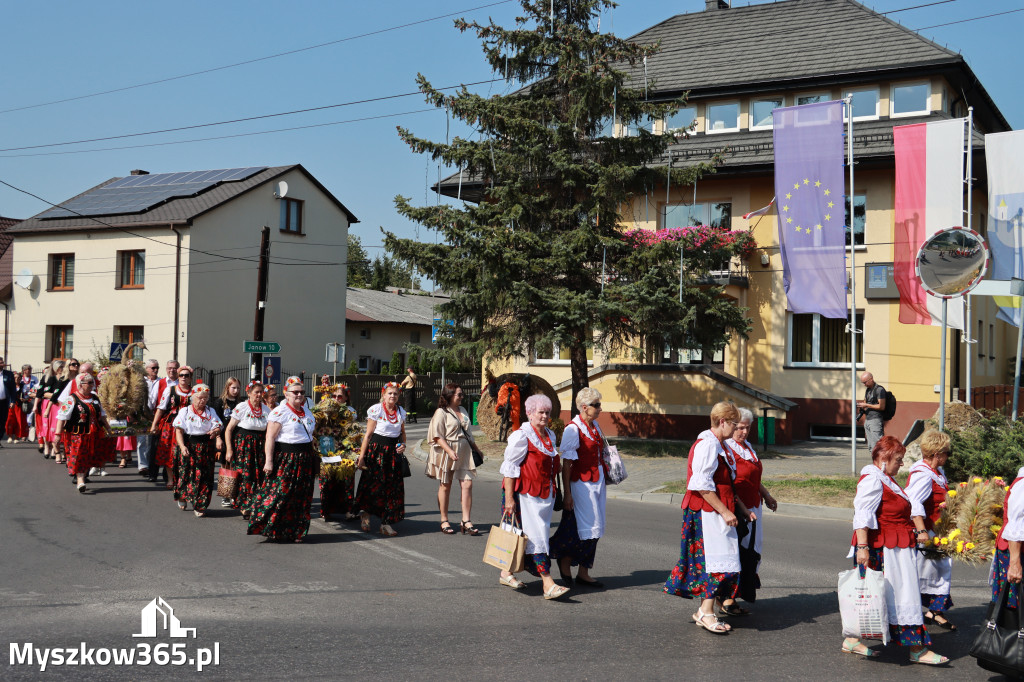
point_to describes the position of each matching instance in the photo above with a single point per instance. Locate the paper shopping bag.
(506, 547)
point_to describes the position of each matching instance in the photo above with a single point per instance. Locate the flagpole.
(942, 368)
(967, 311)
(848, 104)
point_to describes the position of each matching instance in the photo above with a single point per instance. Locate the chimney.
(715, 4)
(138, 171)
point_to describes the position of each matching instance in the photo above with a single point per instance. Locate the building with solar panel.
(172, 258)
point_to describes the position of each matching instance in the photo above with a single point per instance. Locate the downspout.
(7, 320)
(177, 291)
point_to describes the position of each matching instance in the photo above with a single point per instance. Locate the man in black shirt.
(872, 407)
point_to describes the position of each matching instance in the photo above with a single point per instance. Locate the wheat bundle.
(971, 517)
(123, 393)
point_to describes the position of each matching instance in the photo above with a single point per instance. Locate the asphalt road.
(422, 606)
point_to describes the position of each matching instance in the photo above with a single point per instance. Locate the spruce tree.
(542, 259)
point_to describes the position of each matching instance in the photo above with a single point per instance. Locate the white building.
(172, 258)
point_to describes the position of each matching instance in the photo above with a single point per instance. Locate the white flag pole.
(967, 310)
(848, 105)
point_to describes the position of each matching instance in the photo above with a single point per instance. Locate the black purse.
(406, 469)
(999, 647)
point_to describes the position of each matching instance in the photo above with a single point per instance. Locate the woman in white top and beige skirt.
(451, 456)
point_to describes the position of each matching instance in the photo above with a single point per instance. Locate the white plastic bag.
(862, 605)
(616, 469)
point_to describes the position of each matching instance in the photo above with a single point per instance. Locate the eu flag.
(809, 196)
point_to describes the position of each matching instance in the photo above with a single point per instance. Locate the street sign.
(439, 328)
(261, 347)
(116, 350)
(272, 370)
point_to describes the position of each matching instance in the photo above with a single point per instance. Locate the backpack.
(890, 406)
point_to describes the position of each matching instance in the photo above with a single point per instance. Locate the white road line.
(385, 550)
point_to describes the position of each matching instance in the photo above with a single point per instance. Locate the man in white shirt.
(152, 369)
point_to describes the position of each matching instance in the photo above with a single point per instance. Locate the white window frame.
(707, 117)
(878, 103)
(555, 349)
(822, 93)
(846, 206)
(780, 99)
(624, 128)
(919, 112)
(688, 129)
(815, 345)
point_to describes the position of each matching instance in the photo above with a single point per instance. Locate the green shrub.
(353, 368)
(993, 448)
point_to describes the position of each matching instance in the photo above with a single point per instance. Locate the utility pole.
(262, 275)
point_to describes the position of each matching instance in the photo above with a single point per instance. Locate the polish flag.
(760, 211)
(929, 198)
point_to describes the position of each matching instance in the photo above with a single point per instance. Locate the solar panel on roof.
(139, 193)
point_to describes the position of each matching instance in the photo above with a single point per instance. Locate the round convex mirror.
(951, 262)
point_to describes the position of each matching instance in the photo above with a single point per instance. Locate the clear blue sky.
(63, 49)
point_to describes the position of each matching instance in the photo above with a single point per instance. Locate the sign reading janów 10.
(261, 347)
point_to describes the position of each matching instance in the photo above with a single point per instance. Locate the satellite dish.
(952, 262)
(282, 190)
(24, 278)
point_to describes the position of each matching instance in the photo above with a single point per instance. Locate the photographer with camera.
(871, 408)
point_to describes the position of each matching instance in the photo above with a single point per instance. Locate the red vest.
(932, 510)
(723, 486)
(537, 472)
(748, 481)
(1000, 542)
(586, 466)
(895, 528)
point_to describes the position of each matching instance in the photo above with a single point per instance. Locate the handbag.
(228, 483)
(750, 582)
(406, 469)
(478, 457)
(999, 647)
(616, 469)
(506, 549)
(559, 502)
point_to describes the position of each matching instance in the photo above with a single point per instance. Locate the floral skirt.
(337, 497)
(165, 446)
(1000, 566)
(80, 449)
(689, 578)
(247, 456)
(904, 635)
(381, 489)
(106, 451)
(281, 508)
(195, 472)
(566, 543)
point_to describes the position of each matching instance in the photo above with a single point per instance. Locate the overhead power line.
(964, 21)
(254, 60)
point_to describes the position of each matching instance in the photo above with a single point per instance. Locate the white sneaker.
(225, 502)
(93, 471)
(103, 472)
(10, 440)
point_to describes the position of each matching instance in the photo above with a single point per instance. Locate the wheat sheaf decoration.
(972, 516)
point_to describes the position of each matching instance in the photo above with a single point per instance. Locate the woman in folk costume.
(381, 489)
(749, 489)
(290, 468)
(197, 432)
(106, 447)
(884, 539)
(49, 396)
(583, 480)
(172, 400)
(80, 423)
(338, 496)
(245, 440)
(528, 491)
(927, 488)
(1006, 562)
(709, 560)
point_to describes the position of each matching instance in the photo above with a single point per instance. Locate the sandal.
(556, 591)
(866, 652)
(388, 532)
(511, 581)
(182, 505)
(945, 624)
(928, 657)
(733, 609)
(717, 627)
(447, 529)
(469, 529)
(82, 488)
(199, 514)
(364, 522)
(122, 465)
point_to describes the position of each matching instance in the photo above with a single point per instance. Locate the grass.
(825, 491)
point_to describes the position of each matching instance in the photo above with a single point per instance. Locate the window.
(860, 207)
(414, 336)
(815, 98)
(291, 216)
(364, 363)
(681, 120)
(364, 333)
(816, 341)
(60, 341)
(605, 127)
(979, 340)
(632, 129)
(910, 99)
(714, 214)
(131, 269)
(129, 335)
(723, 118)
(62, 272)
(761, 112)
(991, 342)
(864, 103)
(548, 353)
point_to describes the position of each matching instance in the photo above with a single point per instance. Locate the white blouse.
(571, 438)
(165, 397)
(244, 416)
(1014, 528)
(744, 449)
(705, 462)
(518, 446)
(384, 427)
(919, 487)
(869, 496)
(197, 425)
(293, 429)
(68, 405)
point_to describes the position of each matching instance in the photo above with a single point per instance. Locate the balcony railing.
(733, 272)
